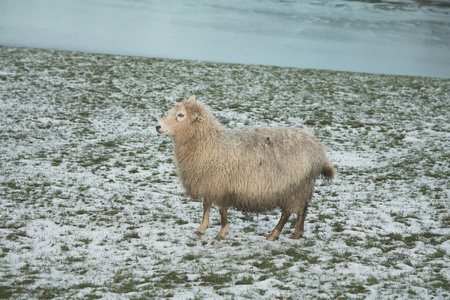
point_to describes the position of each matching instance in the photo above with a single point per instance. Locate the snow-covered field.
(91, 206)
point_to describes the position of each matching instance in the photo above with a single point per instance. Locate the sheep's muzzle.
(159, 130)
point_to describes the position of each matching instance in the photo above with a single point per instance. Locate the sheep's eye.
(181, 115)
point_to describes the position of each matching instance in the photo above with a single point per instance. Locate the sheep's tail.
(327, 171)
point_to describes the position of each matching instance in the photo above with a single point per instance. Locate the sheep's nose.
(158, 127)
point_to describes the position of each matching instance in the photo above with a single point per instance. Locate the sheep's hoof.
(201, 230)
(296, 236)
(272, 238)
(223, 232)
(220, 236)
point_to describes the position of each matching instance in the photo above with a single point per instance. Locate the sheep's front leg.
(224, 228)
(277, 231)
(205, 222)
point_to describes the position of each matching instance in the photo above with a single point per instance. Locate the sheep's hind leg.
(225, 229)
(277, 231)
(299, 226)
(205, 222)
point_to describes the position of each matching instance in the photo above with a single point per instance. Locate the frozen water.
(389, 37)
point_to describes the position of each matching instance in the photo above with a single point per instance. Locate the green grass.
(92, 207)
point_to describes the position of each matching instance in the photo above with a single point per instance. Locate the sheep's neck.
(188, 147)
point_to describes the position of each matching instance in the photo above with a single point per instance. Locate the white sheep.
(251, 169)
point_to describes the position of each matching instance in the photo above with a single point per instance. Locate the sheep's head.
(181, 114)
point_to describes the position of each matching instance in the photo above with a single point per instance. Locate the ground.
(91, 206)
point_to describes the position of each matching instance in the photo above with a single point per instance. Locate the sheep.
(250, 169)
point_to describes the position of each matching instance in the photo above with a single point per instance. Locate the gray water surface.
(388, 37)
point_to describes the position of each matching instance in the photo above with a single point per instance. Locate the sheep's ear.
(192, 98)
